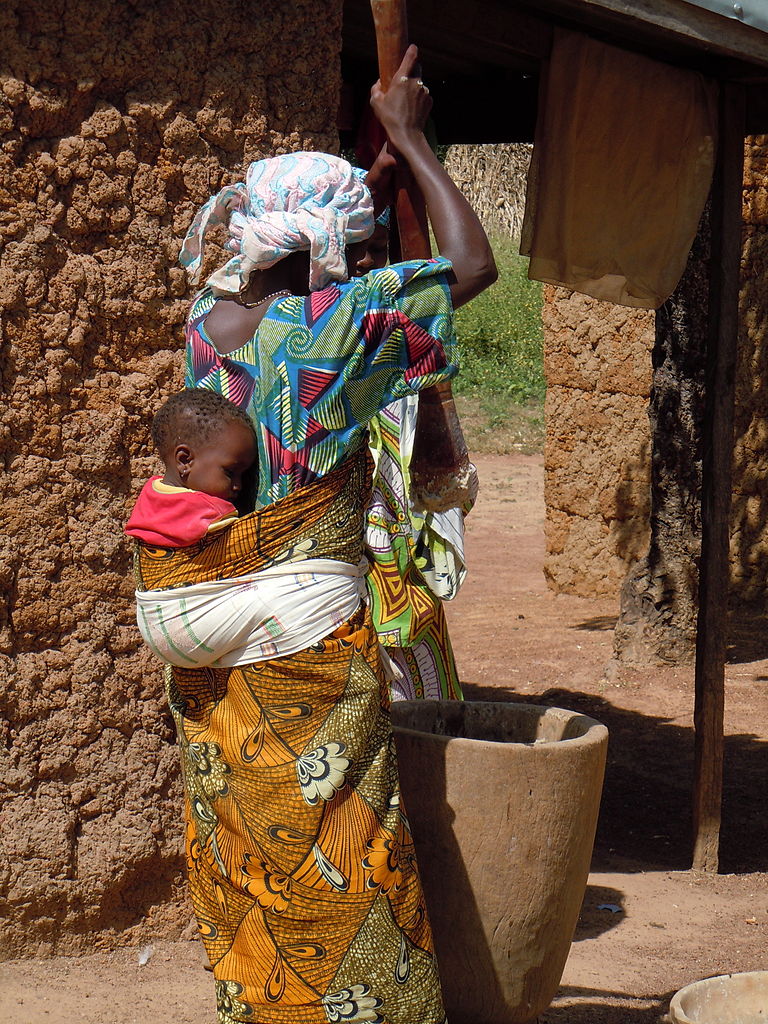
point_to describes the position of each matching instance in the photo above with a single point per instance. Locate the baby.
(207, 445)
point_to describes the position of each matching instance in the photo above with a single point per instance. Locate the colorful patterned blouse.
(319, 367)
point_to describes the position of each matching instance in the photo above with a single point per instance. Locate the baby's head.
(206, 442)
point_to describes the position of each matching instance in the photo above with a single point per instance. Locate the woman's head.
(300, 202)
(206, 442)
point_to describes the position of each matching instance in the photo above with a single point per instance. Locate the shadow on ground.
(583, 1008)
(645, 814)
(601, 910)
(747, 636)
(597, 622)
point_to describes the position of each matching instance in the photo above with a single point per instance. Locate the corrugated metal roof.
(750, 12)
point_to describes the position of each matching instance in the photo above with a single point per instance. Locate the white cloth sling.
(268, 614)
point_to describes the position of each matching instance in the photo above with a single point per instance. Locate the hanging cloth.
(622, 165)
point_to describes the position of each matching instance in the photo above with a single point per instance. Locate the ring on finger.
(419, 82)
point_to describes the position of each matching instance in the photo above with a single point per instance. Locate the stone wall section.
(117, 120)
(597, 473)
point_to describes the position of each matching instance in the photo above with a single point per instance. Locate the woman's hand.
(402, 110)
(404, 107)
(381, 180)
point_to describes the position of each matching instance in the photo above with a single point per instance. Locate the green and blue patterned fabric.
(320, 366)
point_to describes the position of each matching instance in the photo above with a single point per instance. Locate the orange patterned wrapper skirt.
(300, 859)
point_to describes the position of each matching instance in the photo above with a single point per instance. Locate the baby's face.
(218, 465)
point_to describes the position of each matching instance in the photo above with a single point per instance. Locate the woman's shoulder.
(424, 282)
(391, 281)
(407, 270)
(432, 265)
(201, 306)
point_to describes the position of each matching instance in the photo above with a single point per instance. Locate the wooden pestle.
(441, 474)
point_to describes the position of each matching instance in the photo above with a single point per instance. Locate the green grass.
(501, 384)
(500, 333)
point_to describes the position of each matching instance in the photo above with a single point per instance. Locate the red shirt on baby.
(175, 517)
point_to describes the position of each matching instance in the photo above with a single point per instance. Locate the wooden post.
(716, 480)
(391, 22)
(440, 471)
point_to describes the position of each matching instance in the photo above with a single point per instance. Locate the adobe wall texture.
(118, 119)
(596, 457)
(598, 368)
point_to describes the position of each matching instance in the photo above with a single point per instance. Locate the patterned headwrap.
(292, 203)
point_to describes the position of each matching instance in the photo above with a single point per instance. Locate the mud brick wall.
(598, 368)
(749, 509)
(596, 458)
(117, 119)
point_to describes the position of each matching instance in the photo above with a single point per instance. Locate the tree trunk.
(659, 597)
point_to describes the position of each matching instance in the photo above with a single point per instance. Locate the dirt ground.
(648, 925)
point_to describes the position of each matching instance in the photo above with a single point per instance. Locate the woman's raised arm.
(403, 110)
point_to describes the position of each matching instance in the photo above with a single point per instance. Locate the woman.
(301, 865)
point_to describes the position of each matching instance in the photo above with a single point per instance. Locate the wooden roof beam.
(669, 27)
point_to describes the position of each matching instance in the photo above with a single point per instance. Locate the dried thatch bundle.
(493, 178)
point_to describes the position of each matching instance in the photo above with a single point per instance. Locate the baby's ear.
(183, 457)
